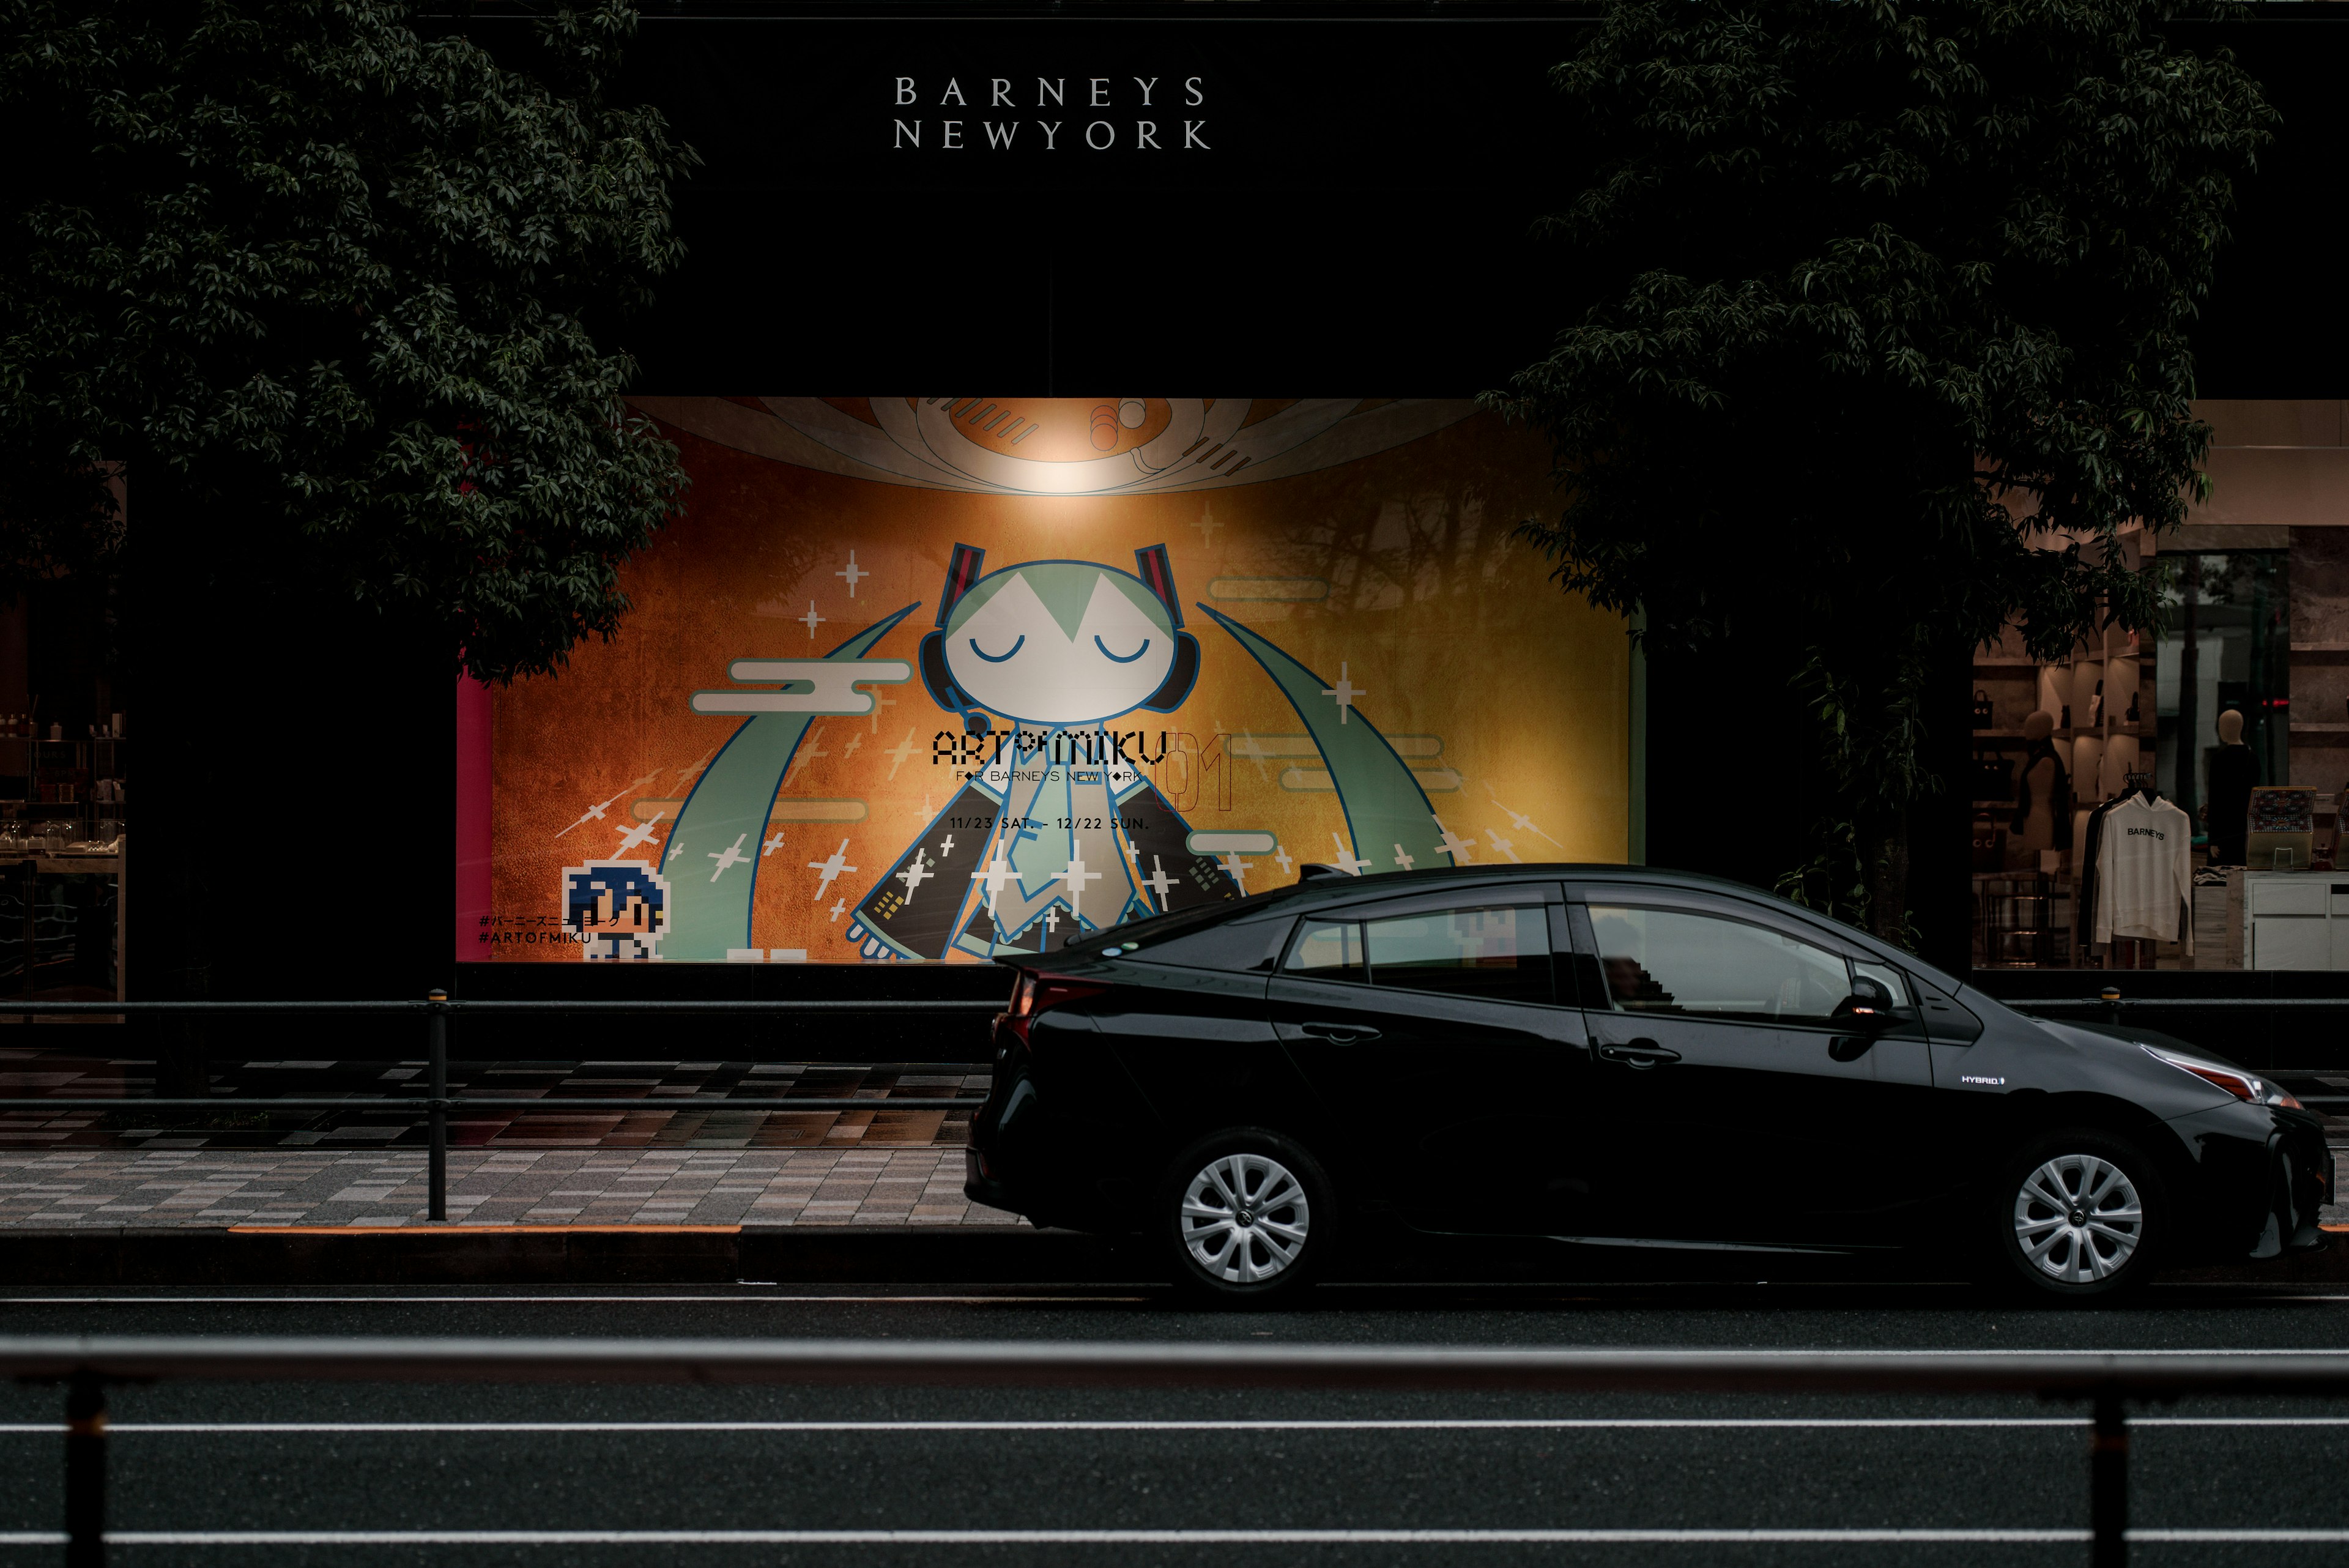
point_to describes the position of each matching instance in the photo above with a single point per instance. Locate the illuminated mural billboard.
(924, 678)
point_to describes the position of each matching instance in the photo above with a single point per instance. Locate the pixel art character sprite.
(618, 907)
(1056, 832)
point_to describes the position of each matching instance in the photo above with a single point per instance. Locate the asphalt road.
(623, 1475)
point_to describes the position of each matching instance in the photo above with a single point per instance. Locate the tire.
(1246, 1216)
(2079, 1214)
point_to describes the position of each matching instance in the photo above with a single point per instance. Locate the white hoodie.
(2145, 872)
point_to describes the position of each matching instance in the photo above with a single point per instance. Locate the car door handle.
(1641, 1053)
(1338, 1033)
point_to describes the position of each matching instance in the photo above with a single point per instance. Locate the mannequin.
(2042, 814)
(2232, 772)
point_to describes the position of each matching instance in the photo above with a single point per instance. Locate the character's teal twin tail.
(733, 797)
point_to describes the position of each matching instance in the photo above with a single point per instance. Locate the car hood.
(2120, 1049)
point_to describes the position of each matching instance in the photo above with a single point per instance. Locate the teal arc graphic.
(1383, 802)
(710, 910)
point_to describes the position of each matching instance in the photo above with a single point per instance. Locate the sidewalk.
(384, 1116)
(99, 1188)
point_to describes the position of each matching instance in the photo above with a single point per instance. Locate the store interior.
(2170, 798)
(63, 758)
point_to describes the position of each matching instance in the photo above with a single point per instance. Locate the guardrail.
(2113, 1003)
(2106, 1382)
(437, 1008)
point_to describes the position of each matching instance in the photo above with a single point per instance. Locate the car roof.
(1338, 887)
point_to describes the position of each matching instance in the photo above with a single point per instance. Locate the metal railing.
(437, 1008)
(2113, 1003)
(2106, 1382)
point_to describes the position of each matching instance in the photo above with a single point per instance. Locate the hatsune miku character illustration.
(618, 909)
(1056, 831)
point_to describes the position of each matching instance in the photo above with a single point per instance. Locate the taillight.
(1037, 994)
(2242, 1085)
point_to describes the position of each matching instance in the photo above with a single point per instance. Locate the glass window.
(1666, 960)
(1888, 978)
(1328, 950)
(1502, 953)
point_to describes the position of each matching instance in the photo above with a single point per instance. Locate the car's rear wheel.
(1246, 1215)
(2080, 1213)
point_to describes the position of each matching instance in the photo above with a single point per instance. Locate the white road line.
(1156, 1537)
(1497, 1424)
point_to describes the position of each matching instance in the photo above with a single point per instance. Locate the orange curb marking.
(428, 1228)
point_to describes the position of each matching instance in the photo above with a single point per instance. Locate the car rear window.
(1233, 945)
(1499, 951)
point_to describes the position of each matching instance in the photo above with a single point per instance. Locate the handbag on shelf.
(1988, 843)
(1985, 712)
(1993, 776)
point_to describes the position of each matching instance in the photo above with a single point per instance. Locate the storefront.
(1336, 204)
(2173, 799)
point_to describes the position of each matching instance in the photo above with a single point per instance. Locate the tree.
(1887, 342)
(332, 298)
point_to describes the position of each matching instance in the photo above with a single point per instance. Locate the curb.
(548, 1254)
(160, 1256)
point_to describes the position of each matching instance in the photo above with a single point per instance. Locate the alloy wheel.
(2078, 1218)
(1245, 1217)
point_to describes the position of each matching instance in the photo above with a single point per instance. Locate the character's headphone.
(963, 571)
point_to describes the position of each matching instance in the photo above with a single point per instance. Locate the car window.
(1328, 950)
(1891, 979)
(1672, 961)
(1233, 945)
(1501, 952)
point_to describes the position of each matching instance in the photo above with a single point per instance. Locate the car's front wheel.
(1246, 1215)
(2080, 1213)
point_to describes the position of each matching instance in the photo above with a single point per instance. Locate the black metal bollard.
(85, 1471)
(2108, 1486)
(436, 1159)
(2111, 997)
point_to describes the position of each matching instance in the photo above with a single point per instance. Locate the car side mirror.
(1868, 1008)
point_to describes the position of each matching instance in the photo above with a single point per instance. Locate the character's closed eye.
(999, 658)
(1121, 658)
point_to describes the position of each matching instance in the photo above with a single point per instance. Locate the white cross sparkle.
(836, 908)
(995, 874)
(1159, 883)
(594, 812)
(1075, 876)
(812, 620)
(1237, 869)
(1458, 848)
(1519, 820)
(945, 850)
(636, 835)
(900, 752)
(810, 749)
(1504, 846)
(1345, 691)
(1346, 861)
(831, 867)
(772, 845)
(1281, 854)
(1405, 861)
(731, 856)
(853, 573)
(916, 872)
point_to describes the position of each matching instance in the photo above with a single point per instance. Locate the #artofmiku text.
(1060, 96)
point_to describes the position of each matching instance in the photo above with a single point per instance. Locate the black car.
(1605, 1053)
